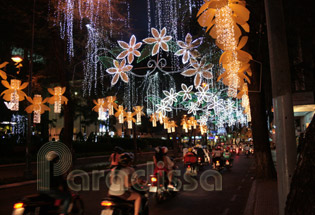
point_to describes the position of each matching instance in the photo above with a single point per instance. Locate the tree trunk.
(301, 199)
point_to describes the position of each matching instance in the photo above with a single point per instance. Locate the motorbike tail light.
(153, 179)
(18, 205)
(188, 166)
(217, 163)
(106, 203)
(227, 162)
(199, 159)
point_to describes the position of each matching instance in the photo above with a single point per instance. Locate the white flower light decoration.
(170, 96)
(186, 92)
(163, 108)
(159, 40)
(119, 70)
(188, 48)
(216, 104)
(193, 107)
(200, 70)
(203, 94)
(130, 50)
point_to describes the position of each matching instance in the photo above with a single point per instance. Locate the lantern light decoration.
(153, 119)
(111, 104)
(184, 123)
(57, 99)
(37, 106)
(101, 108)
(165, 121)
(193, 122)
(129, 119)
(14, 93)
(3, 75)
(120, 113)
(160, 114)
(173, 126)
(139, 113)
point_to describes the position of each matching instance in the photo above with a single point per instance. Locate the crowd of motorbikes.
(194, 158)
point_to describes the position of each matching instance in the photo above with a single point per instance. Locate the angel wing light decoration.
(37, 106)
(14, 93)
(57, 99)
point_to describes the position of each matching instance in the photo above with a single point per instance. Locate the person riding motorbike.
(114, 157)
(121, 182)
(216, 155)
(191, 159)
(169, 165)
(200, 154)
(58, 184)
(247, 148)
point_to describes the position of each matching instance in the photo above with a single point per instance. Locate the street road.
(231, 200)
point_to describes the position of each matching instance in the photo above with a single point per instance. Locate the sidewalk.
(263, 198)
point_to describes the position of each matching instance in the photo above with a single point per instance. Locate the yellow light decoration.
(130, 119)
(153, 119)
(120, 113)
(203, 129)
(37, 106)
(184, 124)
(173, 126)
(160, 117)
(14, 93)
(139, 113)
(57, 99)
(193, 122)
(165, 121)
(100, 107)
(3, 75)
(111, 100)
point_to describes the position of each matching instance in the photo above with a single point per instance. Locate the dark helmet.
(118, 149)
(125, 159)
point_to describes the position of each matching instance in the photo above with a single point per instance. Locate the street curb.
(250, 204)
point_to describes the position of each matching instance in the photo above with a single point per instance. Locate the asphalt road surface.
(231, 199)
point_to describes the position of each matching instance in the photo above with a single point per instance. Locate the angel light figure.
(129, 119)
(57, 99)
(111, 104)
(37, 106)
(120, 113)
(139, 113)
(101, 108)
(14, 93)
(153, 119)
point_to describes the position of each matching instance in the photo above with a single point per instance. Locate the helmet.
(190, 149)
(164, 149)
(125, 159)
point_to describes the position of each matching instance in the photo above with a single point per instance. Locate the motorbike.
(113, 205)
(217, 165)
(247, 153)
(44, 204)
(228, 164)
(160, 189)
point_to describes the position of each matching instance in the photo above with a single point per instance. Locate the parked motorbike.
(44, 204)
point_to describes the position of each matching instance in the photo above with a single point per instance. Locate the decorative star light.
(193, 107)
(203, 120)
(170, 96)
(130, 50)
(119, 71)
(229, 106)
(200, 70)
(188, 48)
(159, 40)
(186, 92)
(203, 94)
(163, 108)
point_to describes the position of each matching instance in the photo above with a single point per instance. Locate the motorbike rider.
(246, 148)
(121, 181)
(114, 157)
(58, 184)
(169, 165)
(227, 155)
(191, 158)
(216, 155)
(200, 153)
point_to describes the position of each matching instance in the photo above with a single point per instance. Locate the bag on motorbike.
(190, 158)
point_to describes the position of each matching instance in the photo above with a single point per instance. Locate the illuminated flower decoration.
(130, 50)
(203, 94)
(216, 104)
(37, 106)
(166, 122)
(186, 92)
(193, 122)
(119, 70)
(229, 106)
(3, 75)
(58, 99)
(153, 119)
(14, 93)
(163, 108)
(100, 107)
(173, 126)
(159, 40)
(200, 70)
(111, 100)
(129, 119)
(193, 107)
(139, 113)
(170, 96)
(188, 48)
(184, 123)
(120, 113)
(220, 123)
(203, 120)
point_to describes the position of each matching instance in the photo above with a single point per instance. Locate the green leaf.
(106, 61)
(116, 51)
(145, 53)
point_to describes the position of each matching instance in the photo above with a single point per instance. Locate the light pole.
(28, 171)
